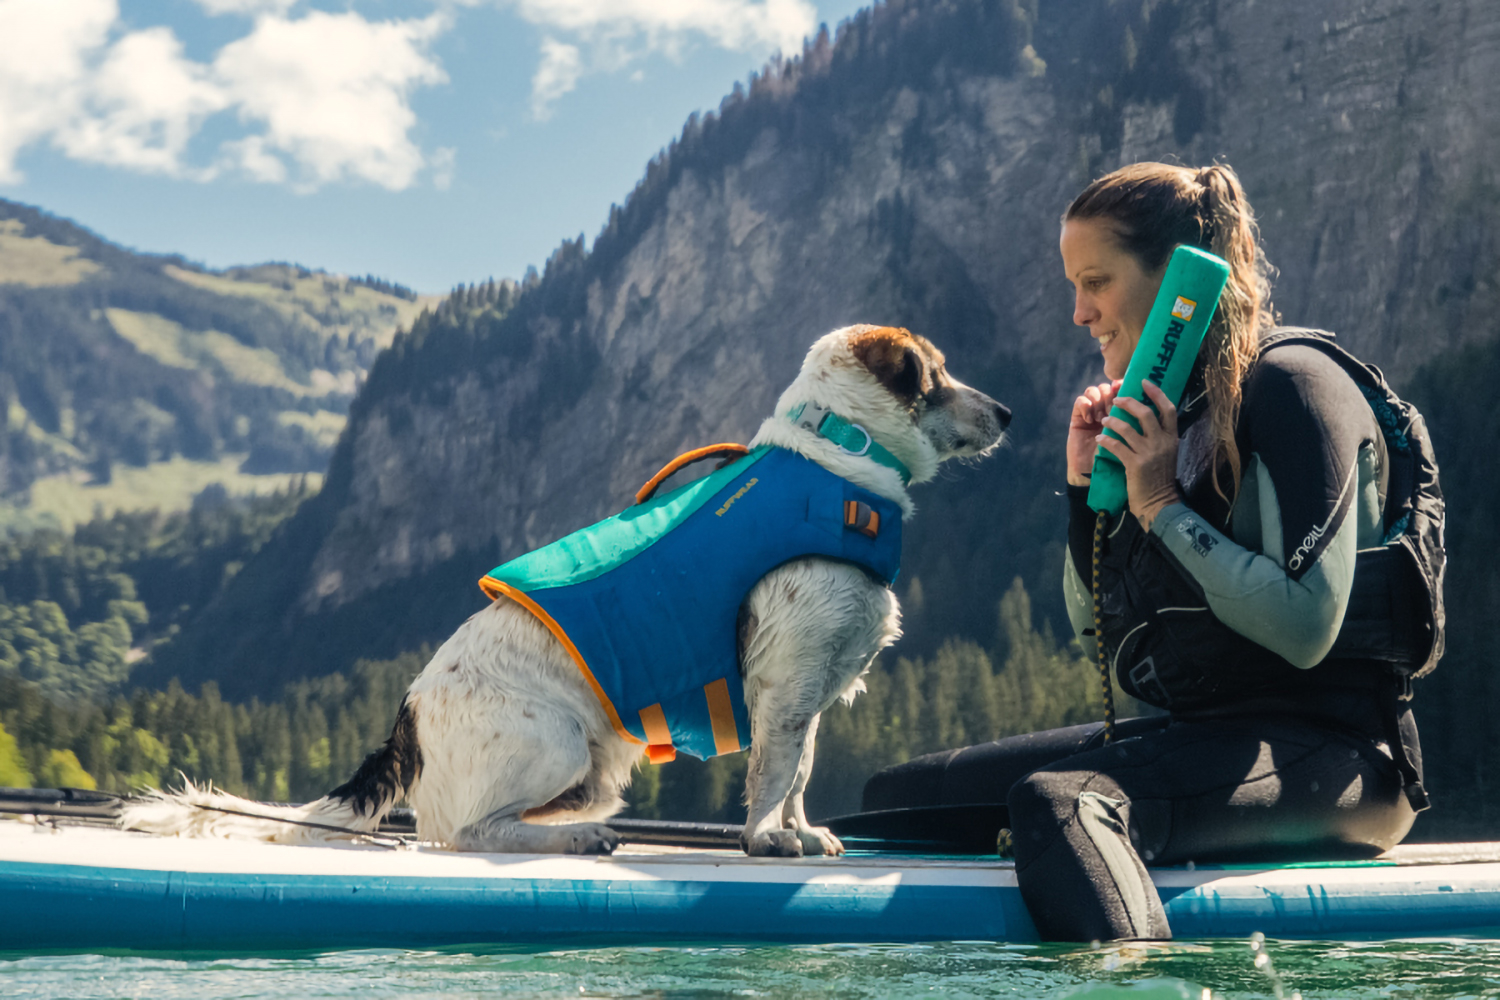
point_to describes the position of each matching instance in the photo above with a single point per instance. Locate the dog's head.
(894, 383)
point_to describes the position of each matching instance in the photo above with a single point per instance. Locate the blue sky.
(430, 142)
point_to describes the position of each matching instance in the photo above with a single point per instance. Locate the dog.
(501, 744)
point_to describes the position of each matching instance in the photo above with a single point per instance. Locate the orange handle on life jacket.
(687, 458)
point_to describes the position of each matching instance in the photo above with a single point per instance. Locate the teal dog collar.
(849, 436)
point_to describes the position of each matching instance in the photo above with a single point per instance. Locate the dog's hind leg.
(815, 839)
(505, 830)
(479, 791)
(596, 795)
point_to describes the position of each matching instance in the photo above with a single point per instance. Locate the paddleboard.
(86, 888)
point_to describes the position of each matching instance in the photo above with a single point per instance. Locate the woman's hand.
(1149, 455)
(1089, 411)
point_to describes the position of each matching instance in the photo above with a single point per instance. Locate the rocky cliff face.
(912, 172)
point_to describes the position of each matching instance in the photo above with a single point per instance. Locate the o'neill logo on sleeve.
(1308, 543)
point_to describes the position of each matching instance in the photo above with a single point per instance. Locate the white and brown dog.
(501, 745)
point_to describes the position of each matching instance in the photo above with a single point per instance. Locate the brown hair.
(1153, 208)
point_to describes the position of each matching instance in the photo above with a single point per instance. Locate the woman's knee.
(1042, 804)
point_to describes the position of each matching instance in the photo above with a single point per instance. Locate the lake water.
(1180, 971)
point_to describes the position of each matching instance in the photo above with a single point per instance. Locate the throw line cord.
(387, 840)
(1104, 681)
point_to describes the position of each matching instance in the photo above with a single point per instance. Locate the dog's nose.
(1002, 413)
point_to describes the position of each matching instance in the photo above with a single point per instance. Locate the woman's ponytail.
(1244, 309)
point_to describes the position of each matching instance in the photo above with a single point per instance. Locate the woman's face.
(1113, 294)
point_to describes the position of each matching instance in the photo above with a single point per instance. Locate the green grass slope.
(130, 381)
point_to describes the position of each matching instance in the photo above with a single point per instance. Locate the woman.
(1221, 593)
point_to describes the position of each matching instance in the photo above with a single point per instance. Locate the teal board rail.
(87, 889)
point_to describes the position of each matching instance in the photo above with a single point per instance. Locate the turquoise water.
(1190, 971)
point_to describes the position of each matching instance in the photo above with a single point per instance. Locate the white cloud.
(558, 73)
(44, 50)
(615, 33)
(331, 91)
(321, 97)
(246, 6)
(142, 104)
(252, 158)
(324, 97)
(731, 24)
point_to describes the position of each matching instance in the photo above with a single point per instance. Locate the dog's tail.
(355, 807)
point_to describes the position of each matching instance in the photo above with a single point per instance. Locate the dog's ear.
(907, 381)
(897, 360)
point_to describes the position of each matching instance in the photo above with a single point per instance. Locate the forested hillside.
(78, 608)
(130, 381)
(81, 607)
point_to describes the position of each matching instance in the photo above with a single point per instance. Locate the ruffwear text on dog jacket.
(646, 602)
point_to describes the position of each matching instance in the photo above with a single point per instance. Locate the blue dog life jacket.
(647, 602)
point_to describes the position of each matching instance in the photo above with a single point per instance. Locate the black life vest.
(1167, 649)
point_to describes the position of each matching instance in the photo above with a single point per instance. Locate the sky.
(428, 142)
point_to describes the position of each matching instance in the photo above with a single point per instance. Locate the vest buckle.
(861, 518)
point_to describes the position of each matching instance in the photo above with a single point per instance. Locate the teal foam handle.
(1169, 344)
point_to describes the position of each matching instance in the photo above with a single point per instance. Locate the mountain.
(134, 381)
(911, 171)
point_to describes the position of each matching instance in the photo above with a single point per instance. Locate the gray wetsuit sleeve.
(1297, 619)
(1310, 447)
(1078, 597)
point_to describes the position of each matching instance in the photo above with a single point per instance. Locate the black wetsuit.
(1286, 755)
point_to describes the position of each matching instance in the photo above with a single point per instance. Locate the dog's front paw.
(819, 840)
(592, 838)
(773, 844)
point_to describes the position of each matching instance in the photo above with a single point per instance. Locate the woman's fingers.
(1164, 406)
(1090, 403)
(1090, 410)
(1129, 437)
(1120, 449)
(1090, 407)
(1163, 416)
(1083, 413)
(1102, 397)
(1094, 405)
(1148, 453)
(1140, 411)
(1122, 427)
